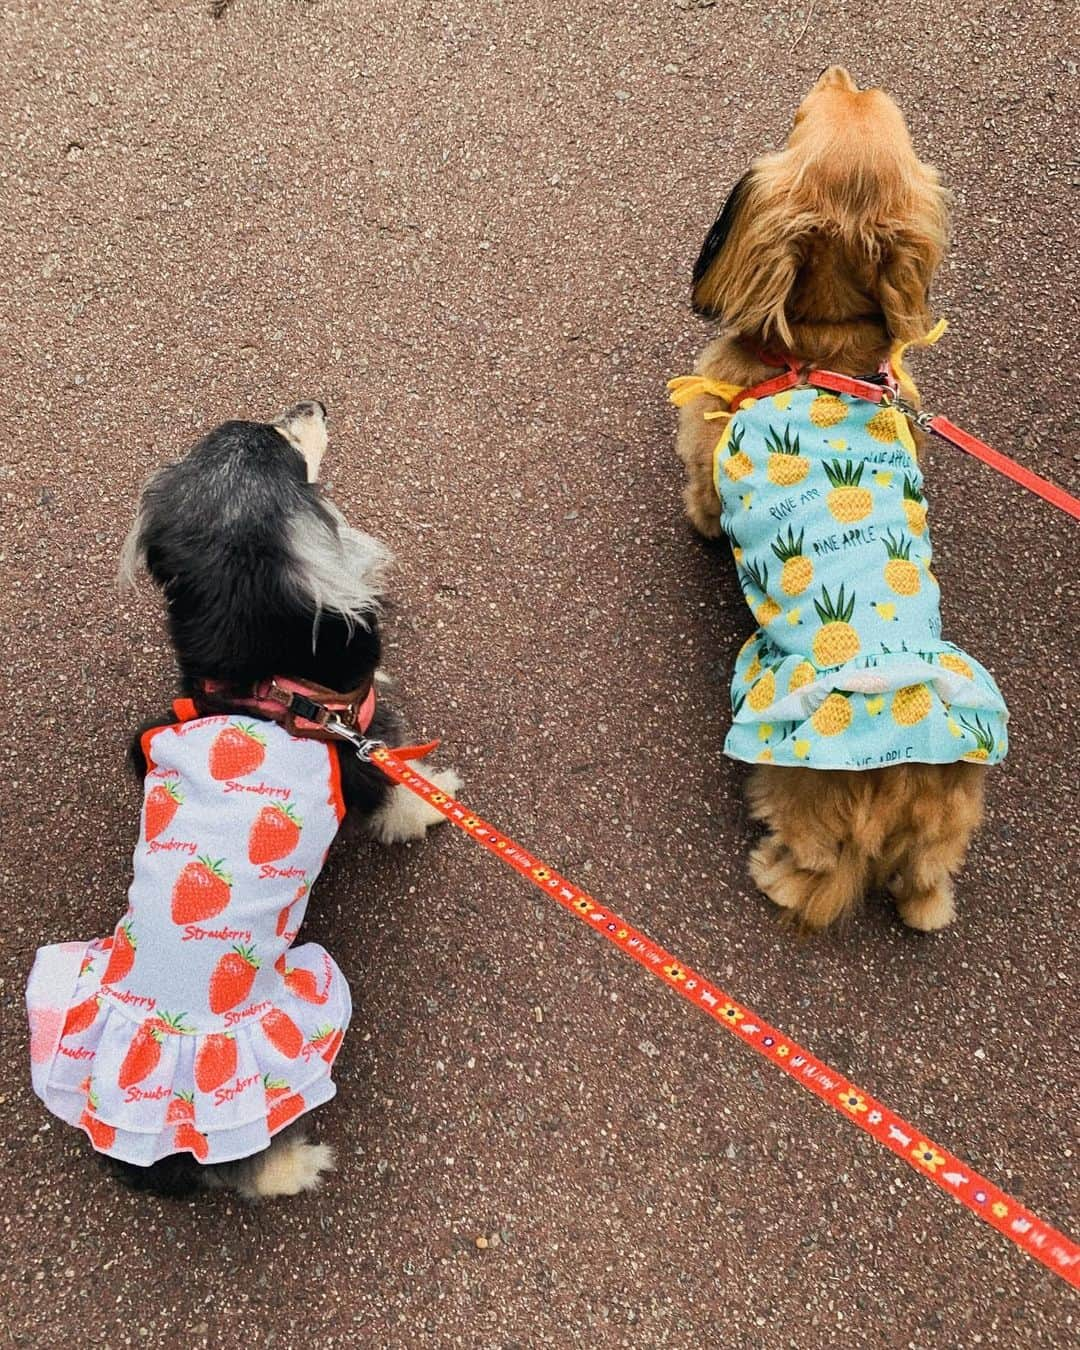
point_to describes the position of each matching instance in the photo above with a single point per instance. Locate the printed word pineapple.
(836, 641)
(798, 570)
(847, 501)
(901, 574)
(787, 465)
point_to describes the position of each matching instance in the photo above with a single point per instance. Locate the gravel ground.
(469, 228)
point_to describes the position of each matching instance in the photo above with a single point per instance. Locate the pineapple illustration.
(798, 571)
(753, 670)
(787, 465)
(834, 715)
(836, 641)
(883, 426)
(911, 704)
(847, 501)
(914, 506)
(956, 664)
(984, 741)
(768, 609)
(738, 698)
(737, 464)
(803, 674)
(901, 574)
(827, 410)
(763, 693)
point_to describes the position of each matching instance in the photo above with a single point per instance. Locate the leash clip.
(365, 746)
(916, 415)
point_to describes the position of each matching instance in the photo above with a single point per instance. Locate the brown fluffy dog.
(825, 251)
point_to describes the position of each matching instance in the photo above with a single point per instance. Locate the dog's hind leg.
(944, 810)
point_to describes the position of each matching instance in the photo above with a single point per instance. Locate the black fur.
(214, 531)
(717, 236)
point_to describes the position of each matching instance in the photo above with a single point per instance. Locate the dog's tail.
(290, 1165)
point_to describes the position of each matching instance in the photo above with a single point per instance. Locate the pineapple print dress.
(822, 502)
(197, 1026)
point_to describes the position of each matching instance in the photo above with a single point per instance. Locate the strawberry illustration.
(202, 890)
(327, 1040)
(283, 917)
(275, 834)
(282, 1033)
(162, 803)
(232, 978)
(284, 1108)
(80, 1016)
(88, 959)
(102, 1136)
(237, 750)
(121, 956)
(144, 1052)
(279, 964)
(187, 1137)
(181, 1108)
(304, 985)
(215, 1061)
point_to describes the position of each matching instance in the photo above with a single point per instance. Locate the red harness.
(304, 709)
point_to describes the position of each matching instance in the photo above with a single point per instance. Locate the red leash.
(940, 426)
(944, 1169)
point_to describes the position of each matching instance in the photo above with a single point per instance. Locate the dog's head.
(843, 224)
(261, 574)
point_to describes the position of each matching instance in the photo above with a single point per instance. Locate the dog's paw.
(703, 513)
(289, 1167)
(929, 913)
(406, 816)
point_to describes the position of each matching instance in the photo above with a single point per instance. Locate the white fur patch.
(407, 816)
(289, 1167)
(340, 568)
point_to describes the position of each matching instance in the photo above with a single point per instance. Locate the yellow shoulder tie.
(907, 386)
(685, 387)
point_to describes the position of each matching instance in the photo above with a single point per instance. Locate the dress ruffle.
(220, 1094)
(933, 706)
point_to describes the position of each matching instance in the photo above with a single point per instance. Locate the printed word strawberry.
(80, 1016)
(102, 1136)
(232, 978)
(236, 751)
(121, 957)
(215, 1061)
(327, 1040)
(181, 1108)
(162, 803)
(202, 890)
(282, 1033)
(275, 833)
(190, 1140)
(144, 1052)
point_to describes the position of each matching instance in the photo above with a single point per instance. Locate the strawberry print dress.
(823, 506)
(197, 1025)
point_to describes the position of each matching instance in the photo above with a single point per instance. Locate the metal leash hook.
(365, 746)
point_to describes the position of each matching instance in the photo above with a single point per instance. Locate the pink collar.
(302, 708)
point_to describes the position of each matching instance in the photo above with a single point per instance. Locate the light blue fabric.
(822, 502)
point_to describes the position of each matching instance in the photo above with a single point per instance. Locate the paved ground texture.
(469, 229)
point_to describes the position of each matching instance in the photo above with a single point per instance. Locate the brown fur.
(827, 253)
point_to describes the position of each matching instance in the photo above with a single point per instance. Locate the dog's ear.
(910, 255)
(750, 261)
